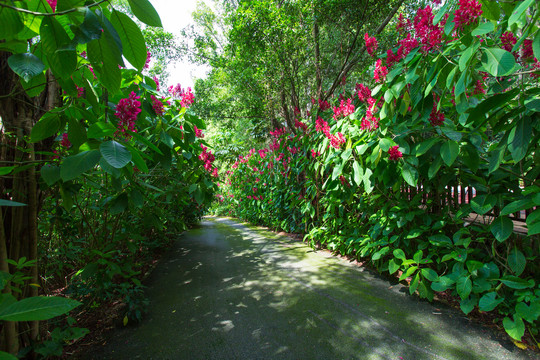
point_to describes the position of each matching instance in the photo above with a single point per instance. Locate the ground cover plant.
(98, 165)
(424, 164)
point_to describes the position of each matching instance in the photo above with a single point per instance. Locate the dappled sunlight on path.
(228, 291)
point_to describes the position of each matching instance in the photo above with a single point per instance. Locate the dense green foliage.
(98, 167)
(453, 106)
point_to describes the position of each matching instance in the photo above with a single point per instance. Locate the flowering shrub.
(451, 108)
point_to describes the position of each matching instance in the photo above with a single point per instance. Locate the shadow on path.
(227, 291)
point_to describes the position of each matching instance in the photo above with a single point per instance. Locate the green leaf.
(410, 174)
(103, 54)
(533, 222)
(54, 39)
(11, 23)
(119, 204)
(516, 206)
(7, 356)
(502, 227)
(10, 203)
(5, 170)
(386, 144)
(430, 274)
(515, 282)
(75, 165)
(37, 308)
(35, 86)
(489, 301)
(47, 126)
(467, 305)
(440, 240)
(442, 284)
(358, 173)
(516, 261)
(529, 313)
(116, 154)
(76, 132)
(516, 328)
(498, 62)
(519, 11)
(392, 266)
(434, 167)
(483, 29)
(145, 141)
(145, 12)
(26, 65)
(536, 45)
(519, 138)
(368, 185)
(483, 203)
(100, 129)
(50, 174)
(399, 254)
(495, 158)
(425, 145)
(464, 287)
(490, 10)
(138, 160)
(89, 30)
(449, 152)
(133, 44)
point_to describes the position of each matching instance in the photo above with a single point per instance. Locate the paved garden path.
(228, 291)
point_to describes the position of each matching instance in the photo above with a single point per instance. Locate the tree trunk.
(18, 224)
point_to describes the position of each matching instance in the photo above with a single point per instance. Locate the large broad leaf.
(464, 286)
(35, 85)
(519, 139)
(516, 261)
(26, 65)
(37, 308)
(47, 126)
(50, 174)
(483, 203)
(11, 23)
(449, 152)
(89, 30)
(133, 44)
(483, 29)
(116, 154)
(76, 133)
(100, 129)
(502, 227)
(536, 45)
(145, 12)
(76, 165)
(10, 203)
(410, 174)
(358, 173)
(54, 38)
(516, 328)
(489, 301)
(519, 11)
(498, 62)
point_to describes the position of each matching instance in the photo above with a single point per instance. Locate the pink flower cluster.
(148, 59)
(65, 143)
(394, 153)
(344, 181)
(344, 109)
(156, 80)
(429, 35)
(208, 158)
(277, 132)
(314, 153)
(335, 141)
(186, 96)
(300, 125)
(371, 44)
(127, 111)
(436, 118)
(380, 72)
(157, 105)
(198, 132)
(52, 3)
(467, 13)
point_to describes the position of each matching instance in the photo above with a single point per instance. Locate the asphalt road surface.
(230, 291)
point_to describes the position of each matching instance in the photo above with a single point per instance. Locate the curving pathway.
(229, 291)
